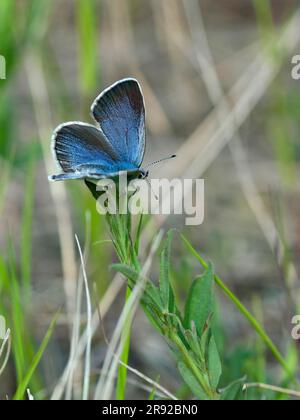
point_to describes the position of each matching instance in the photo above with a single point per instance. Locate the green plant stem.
(189, 361)
(121, 236)
(122, 371)
(251, 319)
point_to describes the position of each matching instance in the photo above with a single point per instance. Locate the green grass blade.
(26, 233)
(17, 316)
(5, 176)
(153, 391)
(87, 45)
(19, 395)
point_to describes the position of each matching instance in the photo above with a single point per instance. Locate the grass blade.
(19, 395)
(87, 44)
(26, 232)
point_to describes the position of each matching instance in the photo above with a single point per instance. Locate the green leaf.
(19, 395)
(244, 311)
(233, 391)
(214, 363)
(193, 342)
(204, 339)
(191, 381)
(199, 304)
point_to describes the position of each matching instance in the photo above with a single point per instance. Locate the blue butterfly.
(84, 151)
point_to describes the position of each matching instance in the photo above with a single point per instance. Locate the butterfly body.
(94, 173)
(84, 151)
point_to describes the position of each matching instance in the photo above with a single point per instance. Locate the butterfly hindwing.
(120, 112)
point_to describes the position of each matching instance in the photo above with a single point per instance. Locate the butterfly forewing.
(120, 112)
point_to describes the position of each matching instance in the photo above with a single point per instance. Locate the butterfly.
(117, 144)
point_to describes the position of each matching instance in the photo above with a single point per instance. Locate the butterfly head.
(137, 174)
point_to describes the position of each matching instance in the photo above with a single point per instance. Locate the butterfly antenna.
(160, 160)
(153, 164)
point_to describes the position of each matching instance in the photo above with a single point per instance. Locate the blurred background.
(217, 82)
